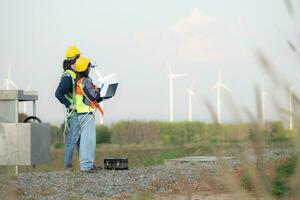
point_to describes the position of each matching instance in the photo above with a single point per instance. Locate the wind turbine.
(191, 94)
(218, 87)
(172, 76)
(8, 82)
(102, 79)
(263, 104)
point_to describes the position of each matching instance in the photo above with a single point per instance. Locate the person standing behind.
(87, 99)
(65, 93)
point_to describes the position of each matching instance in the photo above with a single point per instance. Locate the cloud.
(201, 37)
(198, 37)
(194, 23)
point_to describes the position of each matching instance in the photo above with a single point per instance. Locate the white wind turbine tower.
(8, 82)
(172, 76)
(263, 104)
(102, 79)
(291, 102)
(218, 87)
(191, 94)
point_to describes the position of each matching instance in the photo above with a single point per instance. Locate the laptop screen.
(111, 90)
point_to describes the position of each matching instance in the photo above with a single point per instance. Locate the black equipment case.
(116, 163)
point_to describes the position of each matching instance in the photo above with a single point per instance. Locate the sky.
(135, 39)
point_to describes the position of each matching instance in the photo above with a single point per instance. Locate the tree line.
(178, 133)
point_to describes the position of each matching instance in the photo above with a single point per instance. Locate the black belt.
(85, 113)
(71, 110)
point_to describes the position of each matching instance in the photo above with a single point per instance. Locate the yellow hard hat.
(72, 52)
(82, 64)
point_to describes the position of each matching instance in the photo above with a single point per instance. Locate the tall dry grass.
(264, 180)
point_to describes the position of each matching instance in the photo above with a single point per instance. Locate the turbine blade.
(192, 93)
(28, 87)
(191, 89)
(177, 75)
(100, 77)
(109, 76)
(13, 84)
(215, 86)
(9, 71)
(294, 87)
(225, 87)
(193, 85)
(169, 67)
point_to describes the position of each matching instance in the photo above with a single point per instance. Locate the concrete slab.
(196, 159)
(19, 95)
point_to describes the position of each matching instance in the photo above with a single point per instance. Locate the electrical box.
(22, 143)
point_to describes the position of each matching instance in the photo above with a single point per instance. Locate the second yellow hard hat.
(82, 64)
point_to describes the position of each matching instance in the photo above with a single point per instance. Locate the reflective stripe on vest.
(71, 97)
(80, 105)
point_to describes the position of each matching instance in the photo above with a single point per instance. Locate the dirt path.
(8, 188)
(203, 196)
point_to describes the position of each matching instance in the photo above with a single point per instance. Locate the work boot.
(97, 167)
(92, 170)
(69, 168)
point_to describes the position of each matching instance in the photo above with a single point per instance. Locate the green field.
(138, 157)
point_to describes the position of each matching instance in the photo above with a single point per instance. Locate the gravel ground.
(106, 184)
(101, 185)
(110, 184)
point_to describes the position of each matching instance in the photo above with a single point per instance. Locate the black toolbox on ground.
(116, 163)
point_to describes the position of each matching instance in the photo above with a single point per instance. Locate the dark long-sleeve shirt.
(64, 88)
(90, 91)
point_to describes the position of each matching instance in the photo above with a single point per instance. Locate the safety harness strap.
(93, 103)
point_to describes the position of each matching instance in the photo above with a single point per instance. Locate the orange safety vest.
(79, 98)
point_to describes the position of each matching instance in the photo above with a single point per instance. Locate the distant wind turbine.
(191, 94)
(263, 104)
(8, 82)
(172, 76)
(218, 87)
(102, 79)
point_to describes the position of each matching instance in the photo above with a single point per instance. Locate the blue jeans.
(87, 141)
(73, 138)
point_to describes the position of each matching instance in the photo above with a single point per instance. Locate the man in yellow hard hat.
(65, 93)
(87, 99)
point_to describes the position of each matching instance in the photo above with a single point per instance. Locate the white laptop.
(108, 90)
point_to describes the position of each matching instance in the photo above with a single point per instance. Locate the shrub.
(277, 127)
(129, 132)
(284, 170)
(181, 132)
(103, 134)
(278, 133)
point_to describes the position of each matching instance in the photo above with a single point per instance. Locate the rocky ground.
(159, 182)
(106, 184)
